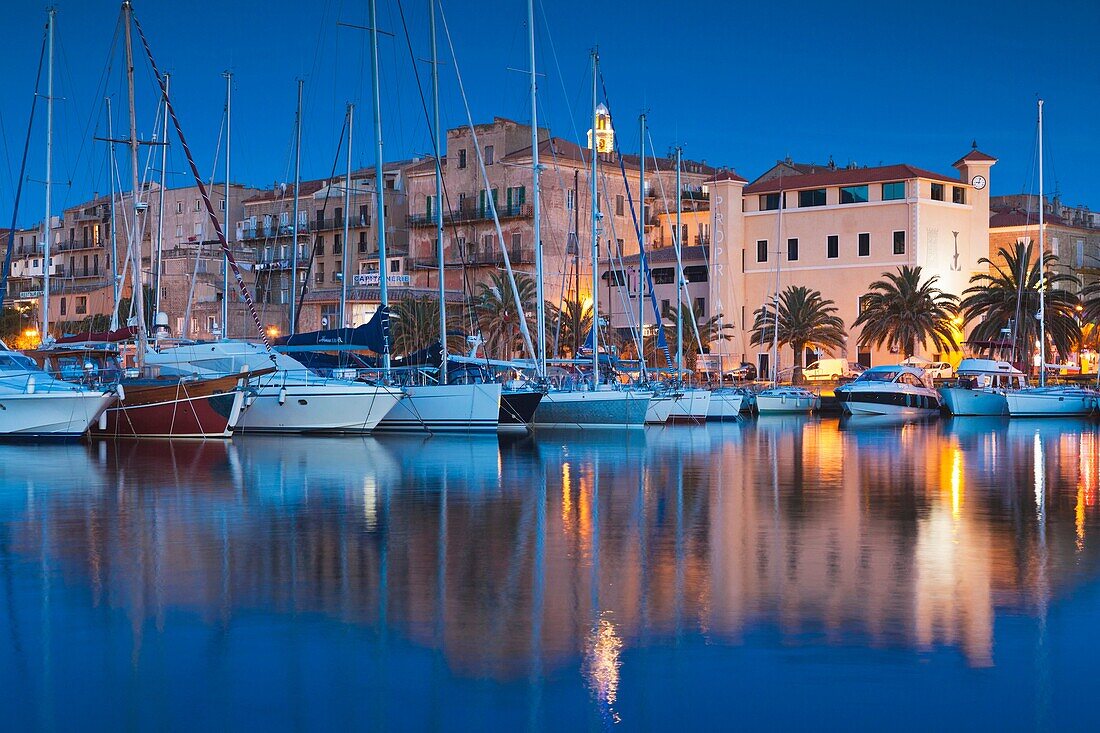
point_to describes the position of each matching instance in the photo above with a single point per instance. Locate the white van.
(824, 370)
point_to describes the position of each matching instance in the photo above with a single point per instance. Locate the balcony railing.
(472, 213)
(695, 195)
(517, 255)
(703, 239)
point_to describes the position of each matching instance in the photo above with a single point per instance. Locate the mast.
(436, 139)
(678, 239)
(595, 231)
(225, 258)
(540, 302)
(1042, 264)
(347, 218)
(641, 247)
(134, 245)
(778, 262)
(379, 182)
(297, 185)
(113, 170)
(51, 14)
(160, 216)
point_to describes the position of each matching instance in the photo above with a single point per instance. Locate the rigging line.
(489, 199)
(617, 257)
(186, 330)
(204, 191)
(22, 173)
(379, 186)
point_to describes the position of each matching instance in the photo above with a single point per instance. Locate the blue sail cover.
(371, 336)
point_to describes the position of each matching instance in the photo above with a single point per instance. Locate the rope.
(203, 190)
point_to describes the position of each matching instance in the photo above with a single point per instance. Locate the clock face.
(979, 182)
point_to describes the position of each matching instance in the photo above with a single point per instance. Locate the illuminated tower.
(605, 136)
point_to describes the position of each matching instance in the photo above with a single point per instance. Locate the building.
(837, 230)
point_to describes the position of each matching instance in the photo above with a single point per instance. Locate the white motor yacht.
(34, 404)
(890, 390)
(980, 387)
(291, 399)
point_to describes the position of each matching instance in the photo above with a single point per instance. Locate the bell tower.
(605, 136)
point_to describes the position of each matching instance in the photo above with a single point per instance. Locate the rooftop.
(846, 176)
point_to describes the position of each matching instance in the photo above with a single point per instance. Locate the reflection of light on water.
(1086, 486)
(1079, 517)
(601, 664)
(956, 482)
(370, 502)
(1039, 477)
(566, 494)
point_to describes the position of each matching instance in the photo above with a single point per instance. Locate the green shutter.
(428, 206)
(509, 194)
(522, 195)
(481, 202)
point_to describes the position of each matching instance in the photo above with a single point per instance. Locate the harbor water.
(778, 573)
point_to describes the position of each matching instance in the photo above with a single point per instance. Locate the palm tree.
(497, 317)
(415, 324)
(805, 319)
(902, 312)
(710, 330)
(1009, 294)
(571, 322)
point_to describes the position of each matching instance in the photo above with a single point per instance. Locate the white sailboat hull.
(660, 406)
(785, 402)
(691, 405)
(445, 408)
(51, 414)
(961, 401)
(336, 407)
(725, 405)
(600, 409)
(1050, 402)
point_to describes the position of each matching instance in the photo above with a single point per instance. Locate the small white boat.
(786, 400)
(690, 405)
(445, 408)
(1054, 401)
(35, 405)
(890, 390)
(980, 387)
(725, 403)
(606, 407)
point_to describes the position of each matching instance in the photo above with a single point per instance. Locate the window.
(1080, 252)
(86, 266)
(832, 247)
(864, 245)
(695, 273)
(337, 244)
(319, 273)
(428, 207)
(614, 277)
(853, 195)
(179, 207)
(663, 275)
(769, 201)
(64, 310)
(364, 215)
(958, 195)
(899, 243)
(82, 305)
(362, 242)
(792, 250)
(179, 230)
(569, 201)
(666, 308)
(683, 234)
(862, 303)
(462, 158)
(95, 263)
(813, 197)
(700, 307)
(937, 192)
(319, 246)
(863, 358)
(893, 191)
(516, 240)
(761, 250)
(198, 204)
(619, 206)
(339, 214)
(489, 155)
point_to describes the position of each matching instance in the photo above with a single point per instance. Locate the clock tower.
(974, 170)
(605, 136)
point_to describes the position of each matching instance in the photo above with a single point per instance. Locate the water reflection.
(566, 556)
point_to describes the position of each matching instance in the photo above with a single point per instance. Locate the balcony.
(703, 239)
(74, 244)
(517, 255)
(695, 195)
(472, 213)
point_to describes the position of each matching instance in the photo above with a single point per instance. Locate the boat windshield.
(878, 376)
(13, 362)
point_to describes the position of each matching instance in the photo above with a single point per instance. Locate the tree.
(497, 317)
(570, 323)
(903, 313)
(805, 319)
(710, 330)
(415, 326)
(1007, 297)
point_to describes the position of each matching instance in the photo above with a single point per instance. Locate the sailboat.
(779, 398)
(1044, 400)
(601, 402)
(441, 407)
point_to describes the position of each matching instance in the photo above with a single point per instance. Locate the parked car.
(934, 369)
(824, 370)
(745, 372)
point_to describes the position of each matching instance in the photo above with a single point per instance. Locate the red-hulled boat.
(151, 407)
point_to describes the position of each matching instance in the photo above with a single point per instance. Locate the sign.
(31, 294)
(371, 279)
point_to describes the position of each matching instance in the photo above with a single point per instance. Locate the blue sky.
(738, 84)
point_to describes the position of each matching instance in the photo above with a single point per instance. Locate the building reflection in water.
(521, 559)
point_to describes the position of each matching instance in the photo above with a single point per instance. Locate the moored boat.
(35, 405)
(725, 403)
(1052, 401)
(690, 405)
(889, 390)
(980, 387)
(786, 400)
